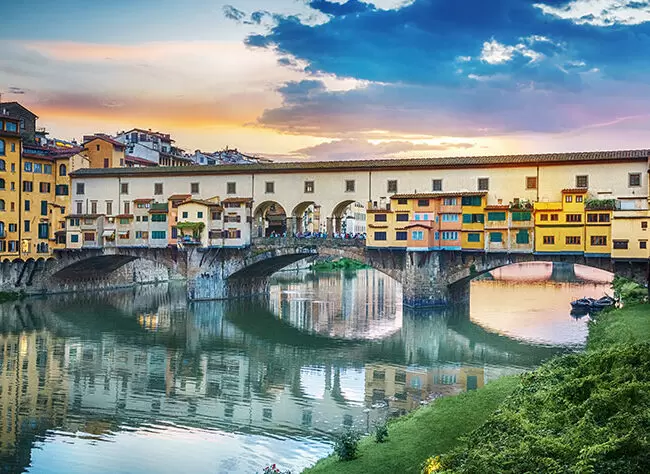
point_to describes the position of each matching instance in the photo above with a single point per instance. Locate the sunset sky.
(297, 79)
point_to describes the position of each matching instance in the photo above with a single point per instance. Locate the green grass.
(627, 325)
(431, 430)
(340, 264)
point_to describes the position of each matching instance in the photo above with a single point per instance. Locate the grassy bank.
(627, 325)
(432, 429)
(339, 264)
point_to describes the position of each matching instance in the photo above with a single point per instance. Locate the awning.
(123, 232)
(108, 233)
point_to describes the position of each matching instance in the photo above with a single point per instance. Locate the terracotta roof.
(105, 138)
(437, 195)
(84, 216)
(177, 197)
(574, 191)
(418, 224)
(378, 226)
(139, 161)
(201, 201)
(495, 207)
(399, 164)
(236, 199)
(124, 216)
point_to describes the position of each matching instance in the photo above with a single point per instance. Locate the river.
(138, 380)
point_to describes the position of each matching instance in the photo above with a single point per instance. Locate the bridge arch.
(270, 217)
(306, 217)
(348, 216)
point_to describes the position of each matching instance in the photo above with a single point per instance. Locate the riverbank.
(592, 404)
(6, 296)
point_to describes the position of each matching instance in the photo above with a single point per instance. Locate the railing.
(318, 241)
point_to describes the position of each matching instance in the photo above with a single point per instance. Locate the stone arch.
(306, 218)
(357, 214)
(269, 217)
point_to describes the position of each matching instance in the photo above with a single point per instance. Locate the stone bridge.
(220, 273)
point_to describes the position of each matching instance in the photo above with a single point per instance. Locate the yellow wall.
(629, 226)
(98, 150)
(602, 228)
(10, 196)
(389, 226)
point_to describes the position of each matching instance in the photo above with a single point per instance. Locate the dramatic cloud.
(340, 9)
(601, 12)
(233, 13)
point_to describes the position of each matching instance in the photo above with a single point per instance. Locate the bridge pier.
(423, 282)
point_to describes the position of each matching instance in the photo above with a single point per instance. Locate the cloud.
(233, 13)
(354, 149)
(601, 12)
(15, 90)
(341, 9)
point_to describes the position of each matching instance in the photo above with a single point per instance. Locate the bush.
(347, 444)
(432, 465)
(628, 291)
(381, 432)
(273, 469)
(587, 413)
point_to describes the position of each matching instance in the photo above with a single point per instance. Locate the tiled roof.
(238, 199)
(106, 138)
(143, 200)
(497, 207)
(177, 197)
(139, 161)
(438, 195)
(201, 201)
(574, 191)
(418, 224)
(387, 164)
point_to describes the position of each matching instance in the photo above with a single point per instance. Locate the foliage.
(11, 296)
(340, 264)
(195, 227)
(628, 325)
(432, 465)
(586, 413)
(628, 291)
(347, 444)
(521, 205)
(381, 432)
(434, 428)
(273, 469)
(600, 204)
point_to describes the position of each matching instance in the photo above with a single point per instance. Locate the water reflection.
(140, 380)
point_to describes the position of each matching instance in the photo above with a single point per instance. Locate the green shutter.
(467, 218)
(521, 216)
(523, 237)
(473, 237)
(480, 218)
(496, 237)
(496, 216)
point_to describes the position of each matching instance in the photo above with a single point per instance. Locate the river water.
(141, 381)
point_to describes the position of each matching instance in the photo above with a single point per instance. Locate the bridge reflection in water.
(248, 382)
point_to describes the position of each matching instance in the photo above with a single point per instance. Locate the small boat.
(585, 303)
(602, 303)
(579, 312)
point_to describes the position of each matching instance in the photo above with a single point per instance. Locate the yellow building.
(104, 152)
(630, 230)
(560, 226)
(472, 230)
(380, 222)
(10, 148)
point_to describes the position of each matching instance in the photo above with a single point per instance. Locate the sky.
(340, 79)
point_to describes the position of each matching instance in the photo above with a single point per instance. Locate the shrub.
(381, 432)
(432, 465)
(347, 444)
(273, 469)
(628, 291)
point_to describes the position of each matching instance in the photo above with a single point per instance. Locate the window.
(592, 217)
(146, 219)
(572, 240)
(582, 181)
(436, 185)
(199, 215)
(423, 202)
(74, 238)
(474, 237)
(141, 234)
(531, 182)
(402, 218)
(28, 166)
(26, 226)
(28, 205)
(401, 235)
(158, 188)
(79, 207)
(620, 244)
(349, 185)
(216, 216)
(127, 207)
(568, 198)
(231, 188)
(44, 187)
(496, 216)
(44, 208)
(391, 186)
(598, 240)
(63, 170)
(2, 204)
(158, 234)
(13, 147)
(309, 186)
(47, 169)
(81, 188)
(185, 214)
(496, 237)
(269, 187)
(380, 235)
(43, 231)
(603, 217)
(402, 202)
(579, 198)
(417, 235)
(634, 180)
(61, 190)
(643, 244)
(555, 217)
(574, 217)
(450, 202)
(158, 218)
(13, 228)
(449, 217)
(38, 168)
(473, 218)
(471, 200)
(28, 186)
(523, 237)
(124, 188)
(124, 220)
(644, 225)
(450, 235)
(380, 218)
(2, 150)
(194, 188)
(97, 147)
(109, 208)
(483, 184)
(2, 183)
(106, 163)
(549, 240)
(436, 235)
(3, 163)
(521, 216)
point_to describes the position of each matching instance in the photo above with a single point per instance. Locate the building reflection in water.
(278, 376)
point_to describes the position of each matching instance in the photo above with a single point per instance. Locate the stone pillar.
(291, 225)
(246, 287)
(423, 283)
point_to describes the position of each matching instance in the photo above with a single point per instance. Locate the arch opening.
(270, 219)
(348, 218)
(306, 218)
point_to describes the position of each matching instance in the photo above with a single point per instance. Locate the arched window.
(63, 170)
(2, 183)
(2, 148)
(2, 228)
(2, 204)
(2, 164)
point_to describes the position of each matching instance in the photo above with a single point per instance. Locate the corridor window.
(349, 185)
(124, 188)
(231, 188)
(531, 182)
(450, 202)
(423, 202)
(496, 237)
(391, 186)
(582, 181)
(450, 235)
(194, 188)
(157, 188)
(309, 186)
(483, 184)
(269, 187)
(634, 180)
(568, 198)
(81, 188)
(436, 185)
